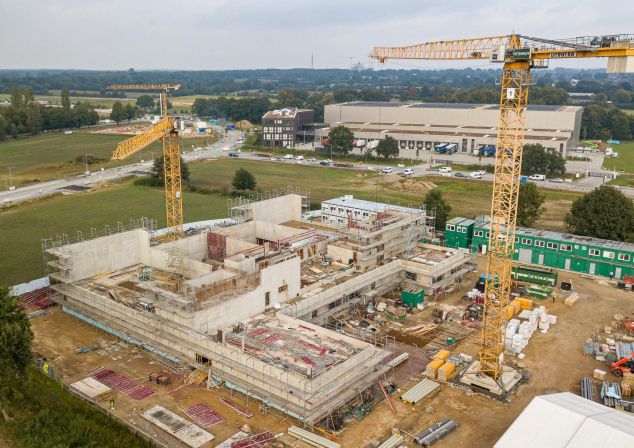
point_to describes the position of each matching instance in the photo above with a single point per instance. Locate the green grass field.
(628, 111)
(104, 103)
(52, 156)
(24, 226)
(625, 161)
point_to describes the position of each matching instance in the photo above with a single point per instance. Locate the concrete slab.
(90, 387)
(187, 432)
(506, 382)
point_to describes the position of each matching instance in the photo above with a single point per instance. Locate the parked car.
(475, 175)
(408, 171)
(460, 175)
(234, 154)
(444, 170)
(299, 157)
(288, 156)
(311, 159)
(326, 162)
(387, 170)
(557, 180)
(540, 177)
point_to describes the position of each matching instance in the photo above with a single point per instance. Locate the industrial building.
(282, 127)
(242, 302)
(595, 256)
(419, 127)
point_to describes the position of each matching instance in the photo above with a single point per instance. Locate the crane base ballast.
(505, 383)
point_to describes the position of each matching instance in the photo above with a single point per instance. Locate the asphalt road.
(230, 142)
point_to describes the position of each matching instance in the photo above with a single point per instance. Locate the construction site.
(350, 325)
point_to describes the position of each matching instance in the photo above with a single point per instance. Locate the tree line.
(25, 115)
(605, 121)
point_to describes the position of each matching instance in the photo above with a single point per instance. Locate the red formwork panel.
(123, 384)
(204, 416)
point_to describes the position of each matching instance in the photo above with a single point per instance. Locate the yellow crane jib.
(135, 144)
(164, 129)
(518, 54)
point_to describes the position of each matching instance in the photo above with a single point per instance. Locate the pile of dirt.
(244, 124)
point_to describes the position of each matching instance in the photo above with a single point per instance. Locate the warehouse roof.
(483, 222)
(534, 107)
(565, 420)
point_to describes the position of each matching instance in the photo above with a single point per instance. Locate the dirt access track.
(555, 361)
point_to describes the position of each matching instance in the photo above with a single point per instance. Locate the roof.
(565, 420)
(360, 204)
(533, 107)
(287, 112)
(483, 222)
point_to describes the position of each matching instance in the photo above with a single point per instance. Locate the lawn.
(625, 161)
(51, 156)
(45, 415)
(24, 226)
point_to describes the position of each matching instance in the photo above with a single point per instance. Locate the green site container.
(540, 292)
(538, 276)
(412, 297)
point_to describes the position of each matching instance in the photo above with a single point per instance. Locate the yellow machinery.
(164, 129)
(518, 54)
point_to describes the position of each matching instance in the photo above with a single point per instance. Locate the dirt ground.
(554, 360)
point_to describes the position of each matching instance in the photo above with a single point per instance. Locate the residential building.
(282, 127)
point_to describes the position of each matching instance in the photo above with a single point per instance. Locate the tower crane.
(165, 129)
(518, 54)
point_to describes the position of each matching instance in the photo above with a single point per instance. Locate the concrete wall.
(229, 312)
(340, 254)
(195, 246)
(274, 232)
(277, 210)
(235, 245)
(106, 254)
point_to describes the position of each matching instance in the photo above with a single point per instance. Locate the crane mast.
(518, 54)
(165, 130)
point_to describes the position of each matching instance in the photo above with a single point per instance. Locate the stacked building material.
(432, 368)
(311, 439)
(436, 432)
(204, 416)
(587, 388)
(123, 384)
(392, 442)
(611, 394)
(627, 385)
(446, 371)
(236, 407)
(421, 390)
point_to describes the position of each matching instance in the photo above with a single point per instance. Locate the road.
(229, 142)
(76, 183)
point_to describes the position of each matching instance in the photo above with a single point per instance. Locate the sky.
(246, 34)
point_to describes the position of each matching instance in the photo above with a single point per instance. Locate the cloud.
(224, 34)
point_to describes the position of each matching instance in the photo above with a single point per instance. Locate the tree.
(156, 178)
(434, 200)
(243, 180)
(15, 347)
(33, 118)
(130, 111)
(387, 147)
(529, 206)
(145, 102)
(68, 118)
(605, 212)
(536, 160)
(117, 114)
(340, 140)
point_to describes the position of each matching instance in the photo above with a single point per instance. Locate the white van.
(288, 156)
(299, 158)
(540, 177)
(444, 170)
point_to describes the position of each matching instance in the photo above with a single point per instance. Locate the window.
(551, 246)
(594, 252)
(451, 227)
(463, 229)
(267, 298)
(314, 314)
(624, 257)
(526, 241)
(608, 254)
(478, 233)
(539, 243)
(282, 288)
(565, 247)
(487, 234)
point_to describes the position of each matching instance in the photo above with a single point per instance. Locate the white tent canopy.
(565, 420)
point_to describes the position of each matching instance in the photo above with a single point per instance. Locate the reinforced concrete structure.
(242, 302)
(419, 127)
